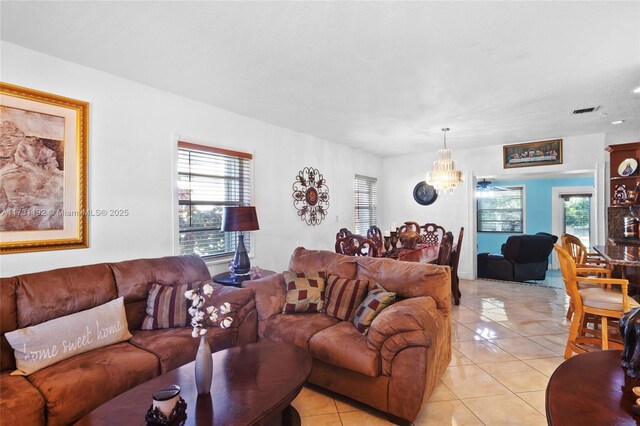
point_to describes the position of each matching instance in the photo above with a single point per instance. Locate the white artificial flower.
(194, 333)
(213, 317)
(225, 308)
(189, 294)
(211, 309)
(226, 323)
(203, 331)
(207, 289)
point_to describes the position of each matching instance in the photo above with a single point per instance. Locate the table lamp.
(240, 219)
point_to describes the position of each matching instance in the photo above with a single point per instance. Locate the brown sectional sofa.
(62, 393)
(408, 346)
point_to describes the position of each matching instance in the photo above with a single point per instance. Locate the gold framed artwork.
(43, 171)
(543, 153)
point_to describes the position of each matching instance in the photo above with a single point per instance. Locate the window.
(577, 216)
(501, 210)
(208, 180)
(365, 208)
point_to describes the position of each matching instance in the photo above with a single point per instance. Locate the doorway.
(573, 213)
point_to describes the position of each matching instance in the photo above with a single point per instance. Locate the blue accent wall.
(538, 209)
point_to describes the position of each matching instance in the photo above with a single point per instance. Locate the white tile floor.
(507, 339)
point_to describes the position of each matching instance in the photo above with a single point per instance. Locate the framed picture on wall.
(43, 171)
(543, 153)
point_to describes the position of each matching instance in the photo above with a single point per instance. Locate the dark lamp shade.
(240, 219)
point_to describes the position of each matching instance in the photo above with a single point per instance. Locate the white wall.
(131, 154)
(402, 173)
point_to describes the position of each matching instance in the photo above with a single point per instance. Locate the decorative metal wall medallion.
(311, 196)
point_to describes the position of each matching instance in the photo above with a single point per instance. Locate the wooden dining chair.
(455, 261)
(594, 301)
(579, 252)
(444, 252)
(595, 265)
(375, 234)
(431, 234)
(356, 245)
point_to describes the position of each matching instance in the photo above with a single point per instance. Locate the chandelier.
(444, 177)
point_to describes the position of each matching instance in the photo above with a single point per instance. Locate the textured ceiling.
(379, 76)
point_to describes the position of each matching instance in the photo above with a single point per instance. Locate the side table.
(224, 278)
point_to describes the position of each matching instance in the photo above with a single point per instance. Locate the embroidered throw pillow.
(371, 306)
(167, 307)
(342, 296)
(53, 341)
(305, 292)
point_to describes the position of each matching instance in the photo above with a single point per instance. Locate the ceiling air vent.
(585, 110)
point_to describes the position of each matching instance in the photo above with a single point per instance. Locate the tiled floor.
(507, 339)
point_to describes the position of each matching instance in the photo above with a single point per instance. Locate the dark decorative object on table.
(394, 241)
(630, 332)
(178, 417)
(311, 196)
(240, 219)
(356, 245)
(424, 194)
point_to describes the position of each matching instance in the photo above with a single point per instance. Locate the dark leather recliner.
(524, 258)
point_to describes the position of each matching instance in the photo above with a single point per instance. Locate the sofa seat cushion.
(297, 329)
(74, 387)
(20, 402)
(175, 347)
(343, 346)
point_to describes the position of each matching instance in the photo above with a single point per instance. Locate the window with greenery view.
(208, 180)
(577, 216)
(365, 203)
(501, 210)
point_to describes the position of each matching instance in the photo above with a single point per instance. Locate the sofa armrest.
(407, 323)
(270, 293)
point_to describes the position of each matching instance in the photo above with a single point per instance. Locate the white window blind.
(365, 203)
(501, 210)
(208, 180)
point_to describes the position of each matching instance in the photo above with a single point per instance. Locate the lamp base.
(241, 263)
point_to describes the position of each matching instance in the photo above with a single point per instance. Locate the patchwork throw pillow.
(342, 296)
(371, 306)
(305, 292)
(53, 341)
(167, 307)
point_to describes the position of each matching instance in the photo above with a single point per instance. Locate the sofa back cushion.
(44, 296)
(133, 276)
(409, 279)
(303, 260)
(8, 320)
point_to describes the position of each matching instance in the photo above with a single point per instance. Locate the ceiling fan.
(487, 185)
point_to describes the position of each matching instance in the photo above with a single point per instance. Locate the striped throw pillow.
(371, 306)
(343, 295)
(167, 307)
(305, 292)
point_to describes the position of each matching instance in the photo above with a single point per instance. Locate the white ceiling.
(379, 76)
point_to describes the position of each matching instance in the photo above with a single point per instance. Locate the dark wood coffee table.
(591, 389)
(252, 385)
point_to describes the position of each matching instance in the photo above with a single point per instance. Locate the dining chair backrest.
(343, 232)
(569, 273)
(574, 247)
(375, 234)
(444, 253)
(356, 245)
(455, 254)
(431, 234)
